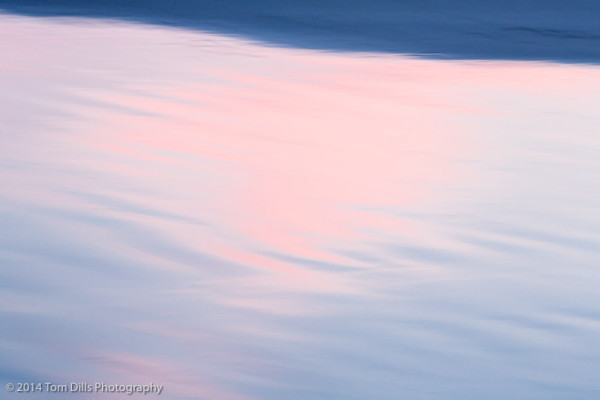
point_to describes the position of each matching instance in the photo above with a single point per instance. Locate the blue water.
(558, 30)
(231, 218)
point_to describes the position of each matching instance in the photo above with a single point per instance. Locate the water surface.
(558, 30)
(237, 221)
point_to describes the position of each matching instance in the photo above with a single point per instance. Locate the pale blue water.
(237, 221)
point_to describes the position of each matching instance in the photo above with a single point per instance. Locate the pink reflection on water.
(124, 368)
(301, 154)
(296, 161)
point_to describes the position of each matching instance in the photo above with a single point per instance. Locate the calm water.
(238, 221)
